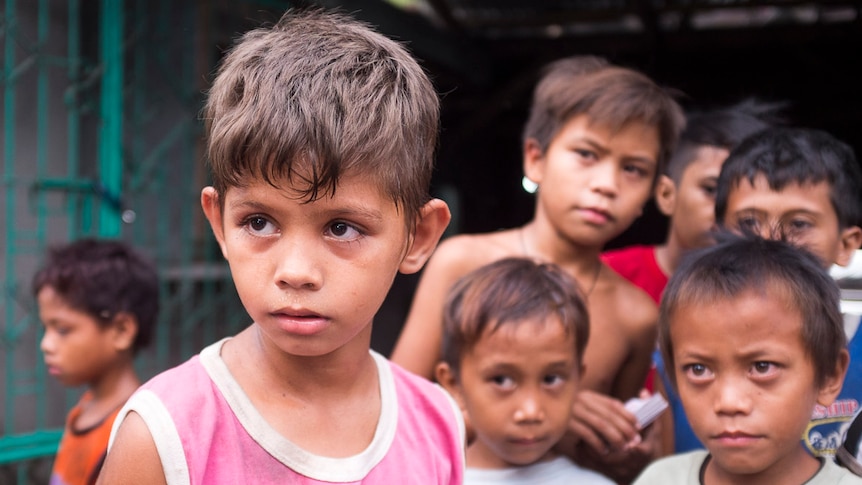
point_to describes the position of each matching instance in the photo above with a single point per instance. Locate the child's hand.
(624, 466)
(604, 436)
(603, 423)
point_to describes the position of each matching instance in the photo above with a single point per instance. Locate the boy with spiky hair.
(752, 331)
(321, 136)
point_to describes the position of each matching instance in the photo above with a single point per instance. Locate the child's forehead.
(524, 333)
(705, 158)
(768, 291)
(750, 321)
(350, 186)
(630, 138)
(794, 195)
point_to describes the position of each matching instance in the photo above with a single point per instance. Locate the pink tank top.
(207, 431)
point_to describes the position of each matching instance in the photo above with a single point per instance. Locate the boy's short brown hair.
(609, 95)
(507, 292)
(319, 95)
(738, 264)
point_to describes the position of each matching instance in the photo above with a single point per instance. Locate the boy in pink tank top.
(321, 135)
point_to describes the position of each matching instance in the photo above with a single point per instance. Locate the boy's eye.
(636, 170)
(344, 231)
(259, 225)
(697, 372)
(60, 330)
(748, 224)
(763, 368)
(588, 154)
(503, 382)
(709, 189)
(553, 380)
(796, 226)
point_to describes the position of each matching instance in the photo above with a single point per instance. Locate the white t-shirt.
(685, 469)
(559, 471)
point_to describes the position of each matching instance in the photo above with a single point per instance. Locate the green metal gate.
(101, 137)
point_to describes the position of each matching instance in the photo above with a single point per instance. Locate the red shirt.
(82, 452)
(638, 265)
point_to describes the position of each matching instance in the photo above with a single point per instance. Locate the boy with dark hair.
(98, 302)
(685, 193)
(753, 332)
(803, 185)
(321, 135)
(595, 141)
(514, 333)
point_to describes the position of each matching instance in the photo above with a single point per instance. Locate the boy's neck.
(800, 469)
(347, 368)
(110, 391)
(117, 383)
(539, 240)
(668, 257)
(544, 244)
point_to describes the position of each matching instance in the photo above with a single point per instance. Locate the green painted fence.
(101, 137)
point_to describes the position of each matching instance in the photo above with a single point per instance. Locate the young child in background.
(98, 302)
(803, 185)
(595, 141)
(514, 334)
(685, 193)
(753, 333)
(321, 135)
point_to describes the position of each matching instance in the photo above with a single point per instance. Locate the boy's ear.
(446, 377)
(851, 239)
(534, 158)
(832, 384)
(433, 219)
(665, 195)
(125, 328)
(212, 209)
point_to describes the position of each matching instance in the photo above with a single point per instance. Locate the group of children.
(321, 136)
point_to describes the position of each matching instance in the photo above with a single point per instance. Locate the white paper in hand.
(646, 410)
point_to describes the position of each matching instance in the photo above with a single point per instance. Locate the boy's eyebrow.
(762, 212)
(247, 204)
(499, 366)
(603, 149)
(362, 212)
(693, 355)
(342, 210)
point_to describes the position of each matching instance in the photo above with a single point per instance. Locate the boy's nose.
(46, 345)
(604, 178)
(529, 409)
(731, 397)
(297, 265)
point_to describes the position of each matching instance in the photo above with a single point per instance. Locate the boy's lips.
(300, 321)
(735, 438)
(527, 441)
(596, 215)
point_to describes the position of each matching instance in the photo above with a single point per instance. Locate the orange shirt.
(82, 452)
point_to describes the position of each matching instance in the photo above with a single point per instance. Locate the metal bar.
(73, 113)
(8, 180)
(28, 446)
(111, 128)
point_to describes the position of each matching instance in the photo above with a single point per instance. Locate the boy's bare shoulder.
(630, 306)
(470, 251)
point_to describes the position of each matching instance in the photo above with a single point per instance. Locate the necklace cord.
(598, 271)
